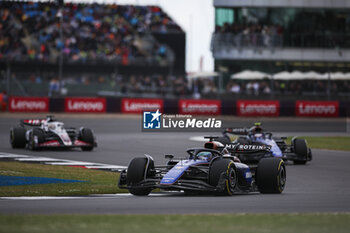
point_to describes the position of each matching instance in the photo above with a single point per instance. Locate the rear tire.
(18, 137)
(301, 149)
(86, 135)
(136, 173)
(271, 175)
(226, 167)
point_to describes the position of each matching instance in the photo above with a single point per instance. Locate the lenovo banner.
(258, 107)
(130, 105)
(29, 104)
(317, 108)
(200, 107)
(95, 105)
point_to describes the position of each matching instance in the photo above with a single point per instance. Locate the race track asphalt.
(320, 186)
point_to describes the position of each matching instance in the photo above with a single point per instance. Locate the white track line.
(4, 156)
(36, 159)
(61, 162)
(96, 196)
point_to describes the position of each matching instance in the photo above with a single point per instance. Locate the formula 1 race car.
(212, 169)
(50, 133)
(297, 151)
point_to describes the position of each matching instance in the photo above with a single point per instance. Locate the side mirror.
(169, 156)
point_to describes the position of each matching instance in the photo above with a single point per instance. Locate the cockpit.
(204, 155)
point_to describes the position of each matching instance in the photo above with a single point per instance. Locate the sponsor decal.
(248, 175)
(130, 105)
(200, 107)
(50, 143)
(252, 147)
(317, 108)
(34, 121)
(258, 108)
(29, 104)
(96, 105)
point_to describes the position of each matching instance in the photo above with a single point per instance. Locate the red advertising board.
(131, 105)
(317, 108)
(95, 105)
(200, 107)
(258, 108)
(29, 104)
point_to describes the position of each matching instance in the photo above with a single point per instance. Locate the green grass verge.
(330, 143)
(218, 223)
(98, 181)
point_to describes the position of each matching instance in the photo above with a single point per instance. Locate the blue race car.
(297, 151)
(212, 169)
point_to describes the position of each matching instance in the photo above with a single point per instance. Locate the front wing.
(181, 184)
(59, 144)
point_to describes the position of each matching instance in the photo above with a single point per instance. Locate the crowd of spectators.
(287, 88)
(91, 32)
(248, 35)
(170, 86)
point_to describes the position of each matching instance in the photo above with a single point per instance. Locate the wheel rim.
(282, 175)
(31, 142)
(232, 178)
(12, 137)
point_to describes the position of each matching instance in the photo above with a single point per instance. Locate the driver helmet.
(204, 155)
(257, 127)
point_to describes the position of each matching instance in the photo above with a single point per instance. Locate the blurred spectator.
(54, 87)
(91, 32)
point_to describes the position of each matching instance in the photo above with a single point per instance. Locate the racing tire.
(301, 149)
(271, 175)
(136, 173)
(18, 137)
(41, 138)
(86, 135)
(226, 168)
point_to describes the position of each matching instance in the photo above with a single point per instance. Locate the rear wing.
(32, 122)
(237, 131)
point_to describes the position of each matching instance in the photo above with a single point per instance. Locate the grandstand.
(101, 45)
(270, 36)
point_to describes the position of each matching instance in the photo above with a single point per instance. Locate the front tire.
(223, 168)
(18, 137)
(301, 149)
(86, 135)
(271, 175)
(137, 172)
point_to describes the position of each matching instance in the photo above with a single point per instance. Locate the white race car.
(50, 133)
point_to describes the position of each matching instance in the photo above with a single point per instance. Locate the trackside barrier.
(28, 104)
(244, 108)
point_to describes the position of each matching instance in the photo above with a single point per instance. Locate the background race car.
(50, 133)
(211, 169)
(298, 151)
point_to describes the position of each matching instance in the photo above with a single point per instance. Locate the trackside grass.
(329, 143)
(218, 223)
(98, 182)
